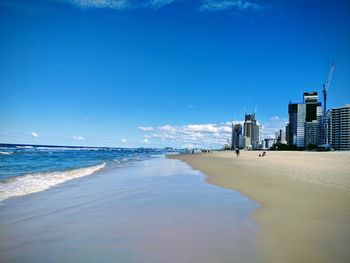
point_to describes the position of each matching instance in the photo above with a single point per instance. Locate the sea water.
(145, 209)
(29, 169)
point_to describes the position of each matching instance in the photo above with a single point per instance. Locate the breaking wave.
(37, 182)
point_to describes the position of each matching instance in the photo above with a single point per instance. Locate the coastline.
(304, 196)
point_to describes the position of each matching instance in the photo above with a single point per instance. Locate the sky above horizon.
(155, 73)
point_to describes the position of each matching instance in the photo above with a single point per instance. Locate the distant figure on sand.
(263, 154)
(237, 152)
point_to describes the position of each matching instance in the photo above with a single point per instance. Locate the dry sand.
(304, 197)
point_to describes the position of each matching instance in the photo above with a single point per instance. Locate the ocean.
(27, 169)
(117, 205)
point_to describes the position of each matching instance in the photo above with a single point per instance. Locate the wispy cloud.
(111, 4)
(78, 138)
(204, 5)
(119, 4)
(222, 5)
(148, 128)
(34, 134)
(159, 3)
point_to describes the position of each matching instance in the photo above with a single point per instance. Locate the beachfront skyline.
(162, 73)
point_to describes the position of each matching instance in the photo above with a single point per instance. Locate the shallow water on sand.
(158, 210)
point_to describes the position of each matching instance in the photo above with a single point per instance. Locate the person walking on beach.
(237, 152)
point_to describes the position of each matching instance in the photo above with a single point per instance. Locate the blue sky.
(163, 72)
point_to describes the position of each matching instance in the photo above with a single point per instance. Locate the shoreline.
(156, 210)
(304, 196)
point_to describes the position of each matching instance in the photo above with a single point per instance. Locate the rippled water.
(29, 169)
(156, 210)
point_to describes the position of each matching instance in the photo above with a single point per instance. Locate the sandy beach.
(304, 197)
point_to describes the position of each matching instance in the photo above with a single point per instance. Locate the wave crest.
(33, 183)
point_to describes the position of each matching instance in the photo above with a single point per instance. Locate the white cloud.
(145, 140)
(198, 135)
(206, 135)
(34, 134)
(148, 128)
(111, 4)
(221, 5)
(208, 128)
(78, 138)
(159, 3)
(203, 5)
(119, 4)
(123, 140)
(166, 128)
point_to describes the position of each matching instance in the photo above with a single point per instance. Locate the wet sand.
(304, 197)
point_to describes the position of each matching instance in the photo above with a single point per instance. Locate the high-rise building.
(287, 135)
(340, 123)
(249, 122)
(313, 115)
(252, 130)
(292, 112)
(249, 132)
(297, 114)
(247, 143)
(236, 136)
(303, 121)
(311, 132)
(280, 136)
(258, 136)
(311, 101)
(324, 133)
(300, 135)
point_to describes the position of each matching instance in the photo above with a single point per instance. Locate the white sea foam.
(24, 147)
(44, 148)
(33, 183)
(5, 152)
(58, 149)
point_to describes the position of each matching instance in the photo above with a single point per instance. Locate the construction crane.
(326, 87)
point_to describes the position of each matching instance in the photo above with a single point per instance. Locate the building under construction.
(251, 132)
(310, 124)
